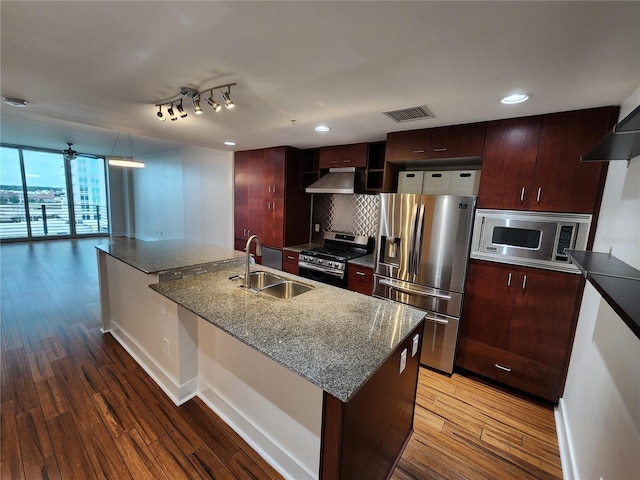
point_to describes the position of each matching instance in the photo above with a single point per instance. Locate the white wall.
(186, 193)
(600, 409)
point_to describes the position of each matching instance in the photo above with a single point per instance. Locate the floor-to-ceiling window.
(44, 195)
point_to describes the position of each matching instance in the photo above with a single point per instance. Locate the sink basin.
(273, 285)
(259, 280)
(287, 289)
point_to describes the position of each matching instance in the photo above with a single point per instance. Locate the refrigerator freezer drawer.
(424, 298)
(439, 340)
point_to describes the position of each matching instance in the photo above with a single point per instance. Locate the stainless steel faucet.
(247, 273)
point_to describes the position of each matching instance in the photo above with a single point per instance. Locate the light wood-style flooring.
(74, 404)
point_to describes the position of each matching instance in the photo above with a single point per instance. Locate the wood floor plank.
(45, 470)
(10, 456)
(209, 465)
(68, 446)
(90, 377)
(35, 443)
(113, 415)
(52, 400)
(83, 411)
(103, 454)
(139, 459)
(242, 465)
(174, 463)
(40, 366)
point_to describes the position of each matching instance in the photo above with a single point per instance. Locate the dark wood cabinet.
(533, 163)
(354, 155)
(290, 262)
(268, 199)
(375, 167)
(457, 141)
(364, 438)
(360, 279)
(518, 325)
(410, 145)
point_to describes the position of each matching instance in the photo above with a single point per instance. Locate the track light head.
(196, 105)
(161, 117)
(183, 114)
(171, 113)
(227, 99)
(215, 105)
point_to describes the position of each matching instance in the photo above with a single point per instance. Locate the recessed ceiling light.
(515, 98)
(15, 102)
(322, 128)
(231, 144)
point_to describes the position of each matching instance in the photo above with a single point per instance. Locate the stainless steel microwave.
(532, 239)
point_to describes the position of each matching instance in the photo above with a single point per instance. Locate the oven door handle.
(414, 291)
(309, 266)
(439, 321)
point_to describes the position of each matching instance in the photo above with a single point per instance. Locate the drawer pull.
(362, 274)
(509, 280)
(501, 367)
(346, 161)
(417, 151)
(522, 195)
(290, 257)
(441, 149)
(539, 194)
(524, 282)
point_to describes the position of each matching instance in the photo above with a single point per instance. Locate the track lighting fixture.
(195, 97)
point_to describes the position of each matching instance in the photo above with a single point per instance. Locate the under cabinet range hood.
(622, 143)
(338, 180)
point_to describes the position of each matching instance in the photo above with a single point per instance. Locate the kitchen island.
(322, 384)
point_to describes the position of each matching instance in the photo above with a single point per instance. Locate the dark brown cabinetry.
(375, 167)
(457, 141)
(354, 155)
(268, 199)
(409, 145)
(365, 437)
(533, 163)
(518, 325)
(360, 279)
(290, 261)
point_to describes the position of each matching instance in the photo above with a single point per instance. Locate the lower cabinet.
(360, 279)
(518, 325)
(290, 261)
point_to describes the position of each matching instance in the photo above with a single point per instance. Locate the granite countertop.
(302, 246)
(334, 338)
(165, 255)
(365, 261)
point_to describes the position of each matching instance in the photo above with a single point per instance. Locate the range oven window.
(517, 237)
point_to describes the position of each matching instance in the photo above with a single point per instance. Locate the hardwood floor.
(74, 404)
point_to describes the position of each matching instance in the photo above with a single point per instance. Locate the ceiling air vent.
(410, 114)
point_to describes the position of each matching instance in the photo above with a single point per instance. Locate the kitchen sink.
(273, 285)
(287, 289)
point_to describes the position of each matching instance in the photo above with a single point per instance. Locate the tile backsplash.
(358, 214)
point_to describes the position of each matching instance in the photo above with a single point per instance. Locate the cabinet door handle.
(524, 282)
(244, 232)
(539, 194)
(334, 161)
(274, 188)
(509, 280)
(346, 161)
(440, 149)
(362, 274)
(522, 195)
(269, 188)
(501, 367)
(417, 151)
(290, 257)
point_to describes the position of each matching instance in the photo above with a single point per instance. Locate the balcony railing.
(51, 220)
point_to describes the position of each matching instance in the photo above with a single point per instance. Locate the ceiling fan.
(70, 154)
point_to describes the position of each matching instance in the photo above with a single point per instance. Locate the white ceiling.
(92, 69)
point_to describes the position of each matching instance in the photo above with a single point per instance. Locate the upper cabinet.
(268, 199)
(456, 141)
(533, 163)
(354, 155)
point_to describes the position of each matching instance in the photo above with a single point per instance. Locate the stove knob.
(319, 260)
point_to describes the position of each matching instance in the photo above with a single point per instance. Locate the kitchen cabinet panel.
(518, 325)
(273, 173)
(457, 141)
(360, 279)
(508, 163)
(248, 194)
(561, 182)
(409, 145)
(290, 262)
(273, 222)
(354, 155)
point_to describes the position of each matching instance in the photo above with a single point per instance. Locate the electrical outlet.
(403, 360)
(164, 307)
(414, 345)
(165, 345)
(316, 227)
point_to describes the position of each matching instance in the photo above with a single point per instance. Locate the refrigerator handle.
(412, 240)
(417, 247)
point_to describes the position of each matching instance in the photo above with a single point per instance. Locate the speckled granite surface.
(165, 255)
(332, 337)
(365, 261)
(302, 246)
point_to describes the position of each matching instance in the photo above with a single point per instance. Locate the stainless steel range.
(328, 264)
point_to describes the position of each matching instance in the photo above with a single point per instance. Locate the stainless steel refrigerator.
(421, 260)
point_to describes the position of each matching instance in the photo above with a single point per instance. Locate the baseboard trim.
(178, 394)
(261, 443)
(564, 442)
